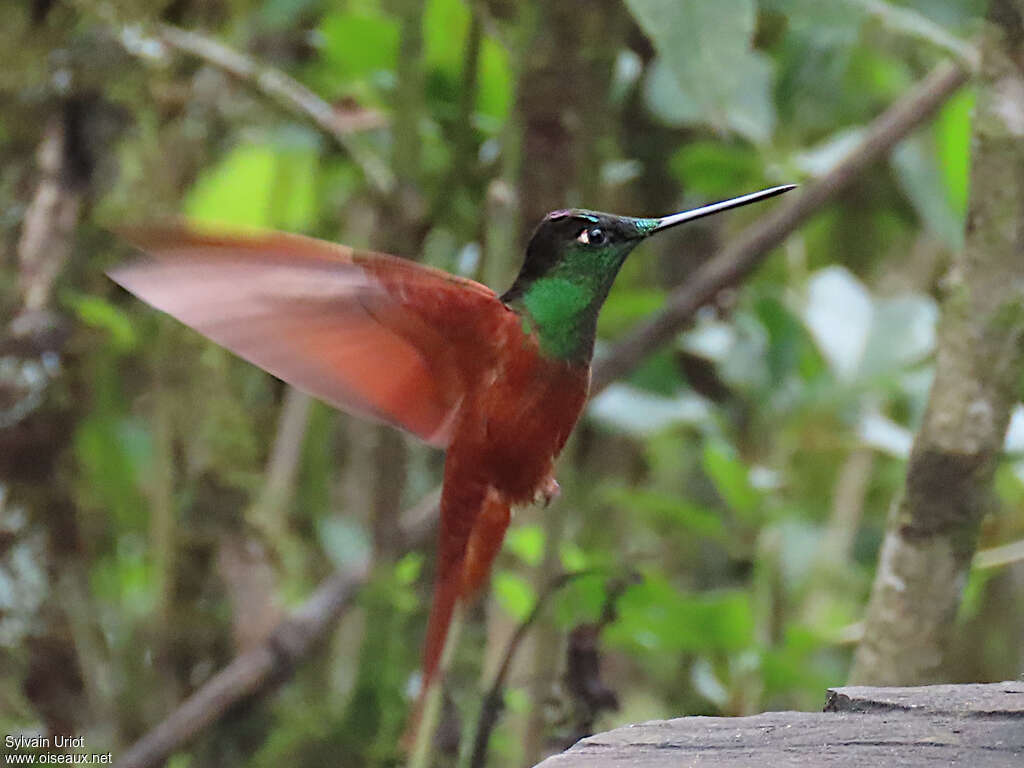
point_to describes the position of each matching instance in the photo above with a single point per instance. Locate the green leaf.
(293, 197)
(313, 491)
(626, 306)
(826, 155)
(827, 24)
(879, 76)
(280, 15)
(445, 25)
(359, 44)
(714, 169)
(514, 593)
(654, 616)
(236, 191)
(517, 700)
(659, 373)
(953, 144)
(527, 543)
(444, 34)
(841, 337)
(731, 478)
(100, 313)
(666, 99)
(791, 665)
(494, 98)
(790, 346)
(581, 600)
(125, 579)
(974, 594)
(902, 333)
(913, 24)
(872, 337)
(707, 47)
(917, 170)
(407, 570)
(739, 349)
(572, 556)
(113, 455)
(180, 760)
(676, 510)
(258, 185)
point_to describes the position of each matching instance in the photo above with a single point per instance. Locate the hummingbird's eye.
(592, 236)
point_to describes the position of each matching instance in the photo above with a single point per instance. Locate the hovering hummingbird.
(498, 381)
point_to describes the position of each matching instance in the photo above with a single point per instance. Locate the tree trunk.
(933, 527)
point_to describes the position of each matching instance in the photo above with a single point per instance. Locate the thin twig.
(425, 723)
(50, 219)
(910, 22)
(283, 464)
(740, 257)
(993, 557)
(44, 249)
(490, 708)
(997, 557)
(276, 85)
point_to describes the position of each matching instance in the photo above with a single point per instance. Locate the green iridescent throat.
(560, 312)
(561, 306)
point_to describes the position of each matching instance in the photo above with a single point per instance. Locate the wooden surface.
(979, 726)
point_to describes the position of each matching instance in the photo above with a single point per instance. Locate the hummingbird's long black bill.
(722, 205)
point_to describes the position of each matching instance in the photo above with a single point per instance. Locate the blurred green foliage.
(724, 472)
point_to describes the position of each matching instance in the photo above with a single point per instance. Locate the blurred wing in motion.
(374, 335)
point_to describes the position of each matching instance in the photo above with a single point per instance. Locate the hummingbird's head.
(581, 245)
(572, 260)
(577, 242)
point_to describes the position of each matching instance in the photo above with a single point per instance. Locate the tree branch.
(283, 464)
(44, 248)
(490, 708)
(279, 87)
(907, 21)
(51, 217)
(260, 670)
(739, 258)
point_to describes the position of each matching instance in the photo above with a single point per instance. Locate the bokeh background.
(163, 505)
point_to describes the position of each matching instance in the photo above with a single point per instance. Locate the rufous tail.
(467, 548)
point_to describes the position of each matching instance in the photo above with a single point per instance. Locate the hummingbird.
(498, 381)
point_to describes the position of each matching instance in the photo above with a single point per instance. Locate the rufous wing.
(374, 335)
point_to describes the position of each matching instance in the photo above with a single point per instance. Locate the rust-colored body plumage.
(497, 381)
(440, 356)
(512, 427)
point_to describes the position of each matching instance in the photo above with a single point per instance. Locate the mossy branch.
(933, 528)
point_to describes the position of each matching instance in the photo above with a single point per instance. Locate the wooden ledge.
(980, 726)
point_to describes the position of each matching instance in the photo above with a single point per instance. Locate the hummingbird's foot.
(548, 492)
